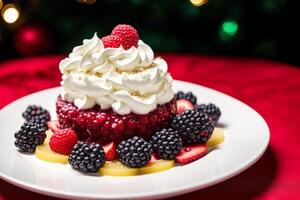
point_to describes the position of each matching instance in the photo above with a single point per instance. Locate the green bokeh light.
(228, 30)
(230, 27)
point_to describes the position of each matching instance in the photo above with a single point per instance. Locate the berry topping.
(194, 127)
(63, 141)
(166, 143)
(110, 151)
(53, 126)
(36, 114)
(87, 157)
(128, 34)
(111, 41)
(188, 96)
(29, 136)
(183, 104)
(191, 153)
(134, 152)
(213, 112)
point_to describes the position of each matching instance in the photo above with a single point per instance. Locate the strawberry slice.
(110, 151)
(183, 104)
(53, 126)
(153, 158)
(191, 153)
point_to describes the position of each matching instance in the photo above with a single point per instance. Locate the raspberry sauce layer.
(103, 126)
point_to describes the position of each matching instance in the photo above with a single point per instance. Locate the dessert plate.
(246, 138)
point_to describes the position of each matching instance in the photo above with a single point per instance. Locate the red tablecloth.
(273, 89)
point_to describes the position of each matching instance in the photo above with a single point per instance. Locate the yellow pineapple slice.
(43, 152)
(157, 166)
(216, 138)
(116, 168)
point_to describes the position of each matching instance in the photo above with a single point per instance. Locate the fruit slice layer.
(53, 125)
(116, 168)
(43, 152)
(157, 166)
(183, 104)
(191, 153)
(110, 151)
(216, 138)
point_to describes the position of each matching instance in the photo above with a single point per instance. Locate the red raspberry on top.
(128, 34)
(63, 141)
(112, 41)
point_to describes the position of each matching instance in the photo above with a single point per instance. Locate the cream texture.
(125, 80)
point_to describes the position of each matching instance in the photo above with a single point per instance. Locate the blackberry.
(134, 152)
(36, 114)
(29, 136)
(188, 96)
(213, 112)
(166, 143)
(194, 127)
(87, 158)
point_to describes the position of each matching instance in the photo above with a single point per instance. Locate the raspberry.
(128, 34)
(104, 126)
(111, 41)
(63, 141)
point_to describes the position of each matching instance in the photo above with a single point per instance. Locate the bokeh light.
(228, 29)
(198, 2)
(10, 13)
(87, 1)
(1, 4)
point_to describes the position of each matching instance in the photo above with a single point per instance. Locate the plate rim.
(145, 195)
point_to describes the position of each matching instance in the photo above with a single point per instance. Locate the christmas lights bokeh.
(256, 28)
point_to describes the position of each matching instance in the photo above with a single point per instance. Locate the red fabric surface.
(273, 89)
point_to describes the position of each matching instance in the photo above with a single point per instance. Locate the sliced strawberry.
(154, 158)
(53, 126)
(191, 153)
(110, 151)
(183, 104)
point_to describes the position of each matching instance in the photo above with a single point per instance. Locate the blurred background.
(257, 28)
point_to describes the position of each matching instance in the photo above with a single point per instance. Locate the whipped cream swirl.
(127, 81)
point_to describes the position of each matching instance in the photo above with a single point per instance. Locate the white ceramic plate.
(246, 138)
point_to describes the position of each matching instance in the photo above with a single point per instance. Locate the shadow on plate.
(221, 125)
